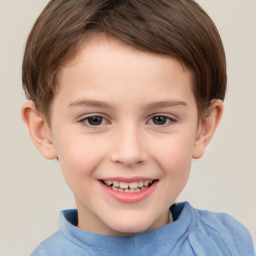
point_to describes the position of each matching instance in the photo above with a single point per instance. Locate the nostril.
(129, 163)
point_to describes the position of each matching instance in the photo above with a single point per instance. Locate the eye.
(94, 121)
(160, 120)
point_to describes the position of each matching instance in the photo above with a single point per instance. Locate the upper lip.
(128, 180)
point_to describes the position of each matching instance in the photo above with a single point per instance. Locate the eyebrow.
(100, 104)
(89, 103)
(166, 104)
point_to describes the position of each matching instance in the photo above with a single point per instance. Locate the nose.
(128, 147)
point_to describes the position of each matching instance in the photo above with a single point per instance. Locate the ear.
(207, 128)
(39, 130)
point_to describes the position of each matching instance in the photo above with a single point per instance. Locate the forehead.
(101, 49)
(109, 67)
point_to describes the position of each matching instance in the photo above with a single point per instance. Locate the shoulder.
(49, 245)
(57, 245)
(43, 247)
(62, 242)
(220, 230)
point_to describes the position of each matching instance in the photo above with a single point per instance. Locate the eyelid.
(87, 116)
(171, 118)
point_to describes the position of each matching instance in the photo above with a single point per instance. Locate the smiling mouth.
(132, 187)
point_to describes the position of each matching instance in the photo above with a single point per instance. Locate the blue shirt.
(193, 232)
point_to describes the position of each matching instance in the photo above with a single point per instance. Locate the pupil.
(95, 120)
(159, 120)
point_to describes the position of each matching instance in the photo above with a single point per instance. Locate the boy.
(124, 94)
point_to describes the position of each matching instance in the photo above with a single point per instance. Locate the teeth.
(123, 185)
(128, 187)
(140, 184)
(116, 184)
(108, 182)
(133, 185)
(146, 183)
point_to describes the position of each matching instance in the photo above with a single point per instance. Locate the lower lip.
(129, 198)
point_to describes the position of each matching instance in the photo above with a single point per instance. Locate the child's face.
(123, 115)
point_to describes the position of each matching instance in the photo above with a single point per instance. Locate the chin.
(129, 228)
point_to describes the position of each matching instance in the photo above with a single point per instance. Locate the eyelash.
(167, 120)
(85, 121)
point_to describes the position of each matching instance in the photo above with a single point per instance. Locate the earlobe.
(207, 128)
(39, 130)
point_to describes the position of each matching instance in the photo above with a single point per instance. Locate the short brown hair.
(179, 28)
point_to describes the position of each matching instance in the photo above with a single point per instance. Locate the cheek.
(175, 156)
(175, 161)
(178, 164)
(78, 157)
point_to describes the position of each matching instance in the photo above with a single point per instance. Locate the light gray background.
(32, 191)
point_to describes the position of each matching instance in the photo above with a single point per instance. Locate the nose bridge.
(128, 148)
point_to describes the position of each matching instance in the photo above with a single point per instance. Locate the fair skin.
(123, 115)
